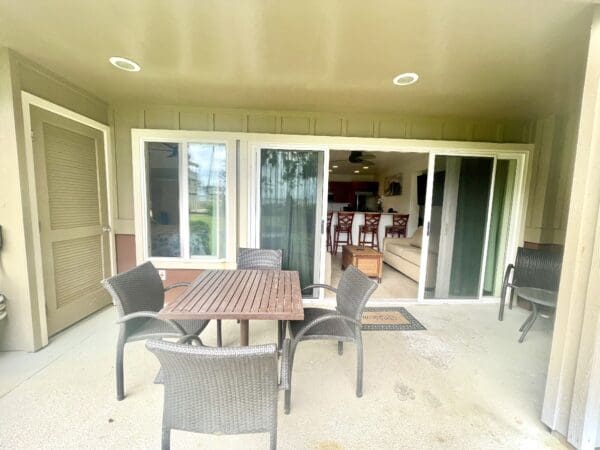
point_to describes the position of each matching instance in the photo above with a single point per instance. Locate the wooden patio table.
(239, 294)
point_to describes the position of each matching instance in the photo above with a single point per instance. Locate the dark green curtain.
(288, 207)
(471, 215)
(495, 244)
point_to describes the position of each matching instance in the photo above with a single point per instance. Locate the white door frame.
(255, 148)
(516, 221)
(27, 101)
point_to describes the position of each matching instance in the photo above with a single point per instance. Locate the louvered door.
(72, 207)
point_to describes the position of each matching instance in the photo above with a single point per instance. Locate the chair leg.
(288, 392)
(281, 324)
(119, 367)
(502, 302)
(273, 440)
(512, 297)
(340, 347)
(219, 334)
(359, 367)
(166, 438)
(529, 323)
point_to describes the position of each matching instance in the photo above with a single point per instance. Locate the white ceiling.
(502, 58)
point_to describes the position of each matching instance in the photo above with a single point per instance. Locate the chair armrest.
(510, 268)
(176, 285)
(284, 377)
(324, 286)
(190, 339)
(318, 320)
(151, 315)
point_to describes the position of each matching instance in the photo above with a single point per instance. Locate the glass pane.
(288, 207)
(207, 171)
(163, 198)
(461, 189)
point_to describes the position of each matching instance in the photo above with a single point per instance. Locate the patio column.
(572, 398)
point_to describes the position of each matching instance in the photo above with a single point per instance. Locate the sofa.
(404, 254)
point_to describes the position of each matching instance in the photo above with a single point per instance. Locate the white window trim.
(183, 138)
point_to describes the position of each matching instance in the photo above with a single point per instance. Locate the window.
(186, 200)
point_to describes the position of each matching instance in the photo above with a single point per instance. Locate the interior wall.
(407, 202)
(17, 275)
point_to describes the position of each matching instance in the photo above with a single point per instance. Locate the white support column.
(572, 398)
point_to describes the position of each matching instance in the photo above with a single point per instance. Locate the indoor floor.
(394, 285)
(465, 382)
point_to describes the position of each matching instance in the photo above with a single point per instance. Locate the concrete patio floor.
(465, 382)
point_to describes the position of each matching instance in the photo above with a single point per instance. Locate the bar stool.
(371, 227)
(344, 225)
(328, 231)
(398, 227)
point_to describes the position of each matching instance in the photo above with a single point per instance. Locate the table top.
(239, 294)
(537, 295)
(361, 251)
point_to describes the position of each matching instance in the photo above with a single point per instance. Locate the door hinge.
(32, 136)
(322, 226)
(428, 228)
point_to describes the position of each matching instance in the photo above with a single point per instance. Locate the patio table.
(239, 294)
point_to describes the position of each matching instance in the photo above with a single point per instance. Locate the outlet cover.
(162, 274)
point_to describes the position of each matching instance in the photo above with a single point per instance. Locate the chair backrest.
(538, 268)
(259, 259)
(345, 220)
(400, 220)
(225, 390)
(372, 220)
(329, 219)
(353, 292)
(138, 289)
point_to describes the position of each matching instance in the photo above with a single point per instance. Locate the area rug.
(384, 319)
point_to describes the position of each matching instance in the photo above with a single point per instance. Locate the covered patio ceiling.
(510, 58)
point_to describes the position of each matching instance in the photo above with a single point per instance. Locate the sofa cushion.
(396, 249)
(417, 237)
(412, 254)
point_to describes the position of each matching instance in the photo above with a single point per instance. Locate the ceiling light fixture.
(335, 167)
(357, 171)
(124, 64)
(404, 79)
(365, 167)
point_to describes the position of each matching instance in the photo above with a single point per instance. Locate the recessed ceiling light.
(335, 167)
(124, 64)
(365, 167)
(330, 170)
(404, 79)
(357, 171)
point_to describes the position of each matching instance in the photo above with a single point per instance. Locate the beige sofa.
(404, 254)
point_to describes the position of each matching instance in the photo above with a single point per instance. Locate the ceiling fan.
(358, 157)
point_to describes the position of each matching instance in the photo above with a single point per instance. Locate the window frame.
(142, 223)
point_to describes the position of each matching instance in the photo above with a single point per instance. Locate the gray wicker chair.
(230, 390)
(538, 268)
(138, 295)
(342, 325)
(258, 259)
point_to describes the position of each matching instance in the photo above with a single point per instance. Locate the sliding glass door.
(291, 208)
(457, 226)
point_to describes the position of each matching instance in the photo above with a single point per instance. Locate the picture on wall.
(393, 185)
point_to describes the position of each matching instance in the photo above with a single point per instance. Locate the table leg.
(533, 316)
(244, 339)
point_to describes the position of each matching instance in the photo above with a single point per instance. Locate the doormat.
(385, 319)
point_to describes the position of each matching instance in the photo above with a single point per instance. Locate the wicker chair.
(229, 390)
(343, 324)
(538, 268)
(258, 259)
(138, 295)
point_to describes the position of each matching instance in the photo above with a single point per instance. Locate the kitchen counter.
(359, 219)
